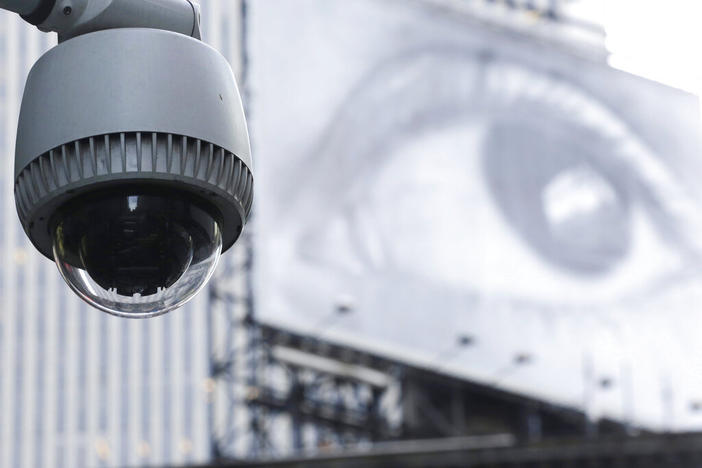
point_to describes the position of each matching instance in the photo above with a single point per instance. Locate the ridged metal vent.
(125, 153)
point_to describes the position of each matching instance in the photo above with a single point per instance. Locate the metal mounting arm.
(21, 7)
(70, 18)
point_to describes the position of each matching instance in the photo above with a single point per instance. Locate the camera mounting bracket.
(71, 18)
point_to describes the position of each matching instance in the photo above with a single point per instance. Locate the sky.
(659, 40)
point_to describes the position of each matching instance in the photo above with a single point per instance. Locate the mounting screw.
(465, 340)
(67, 11)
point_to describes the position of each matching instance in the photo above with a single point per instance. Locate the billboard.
(441, 176)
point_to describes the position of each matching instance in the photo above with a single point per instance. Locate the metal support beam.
(499, 451)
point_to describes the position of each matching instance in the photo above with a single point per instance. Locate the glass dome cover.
(136, 252)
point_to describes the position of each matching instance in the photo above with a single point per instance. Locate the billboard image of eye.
(445, 178)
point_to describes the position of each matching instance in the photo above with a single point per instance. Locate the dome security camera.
(133, 168)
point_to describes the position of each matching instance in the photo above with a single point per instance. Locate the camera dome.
(136, 175)
(135, 252)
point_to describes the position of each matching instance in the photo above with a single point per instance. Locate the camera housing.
(133, 169)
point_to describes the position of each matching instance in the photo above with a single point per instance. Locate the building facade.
(79, 387)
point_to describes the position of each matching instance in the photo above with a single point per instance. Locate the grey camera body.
(131, 106)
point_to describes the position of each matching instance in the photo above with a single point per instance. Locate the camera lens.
(136, 253)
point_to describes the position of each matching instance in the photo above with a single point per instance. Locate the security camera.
(132, 168)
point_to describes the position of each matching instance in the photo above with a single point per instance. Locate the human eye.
(522, 187)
